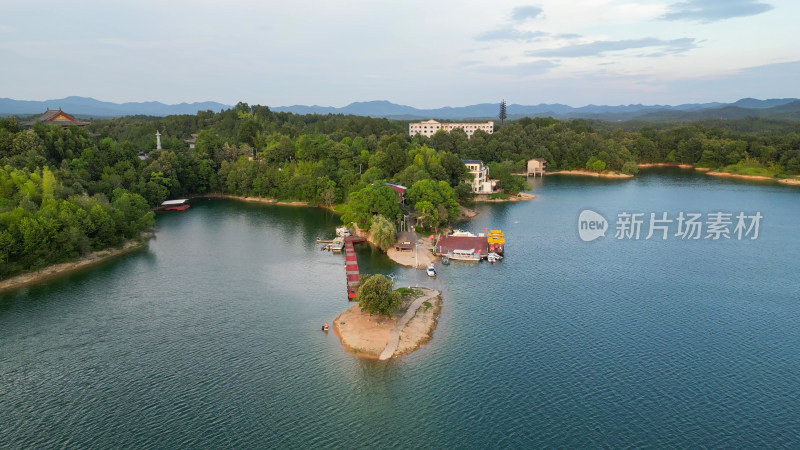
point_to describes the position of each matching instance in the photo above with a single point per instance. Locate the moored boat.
(461, 233)
(431, 271)
(175, 205)
(464, 255)
(497, 242)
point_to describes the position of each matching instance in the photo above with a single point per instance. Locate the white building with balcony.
(481, 184)
(429, 127)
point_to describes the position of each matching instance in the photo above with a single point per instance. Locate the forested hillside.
(67, 191)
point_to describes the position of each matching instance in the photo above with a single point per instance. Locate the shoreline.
(377, 338)
(666, 164)
(715, 173)
(520, 197)
(66, 268)
(408, 259)
(270, 201)
(465, 213)
(671, 164)
(787, 181)
(586, 173)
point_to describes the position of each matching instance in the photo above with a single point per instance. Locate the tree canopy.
(327, 160)
(383, 232)
(434, 201)
(376, 296)
(369, 202)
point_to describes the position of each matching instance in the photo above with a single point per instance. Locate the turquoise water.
(210, 337)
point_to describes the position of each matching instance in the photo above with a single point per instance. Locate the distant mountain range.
(788, 108)
(89, 107)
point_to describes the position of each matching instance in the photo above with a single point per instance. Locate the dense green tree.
(55, 182)
(369, 202)
(382, 232)
(376, 296)
(438, 195)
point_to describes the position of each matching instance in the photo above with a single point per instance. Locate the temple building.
(58, 117)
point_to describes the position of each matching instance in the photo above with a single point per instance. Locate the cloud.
(776, 80)
(597, 48)
(522, 70)
(523, 13)
(707, 11)
(510, 34)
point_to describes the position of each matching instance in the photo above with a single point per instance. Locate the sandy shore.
(665, 164)
(521, 197)
(587, 173)
(669, 164)
(368, 336)
(789, 181)
(423, 258)
(57, 270)
(744, 177)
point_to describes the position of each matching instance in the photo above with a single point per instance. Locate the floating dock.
(351, 265)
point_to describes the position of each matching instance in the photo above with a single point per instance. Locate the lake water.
(210, 337)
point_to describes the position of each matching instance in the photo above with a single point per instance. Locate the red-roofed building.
(401, 190)
(58, 117)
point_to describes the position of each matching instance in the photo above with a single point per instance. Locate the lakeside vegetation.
(66, 192)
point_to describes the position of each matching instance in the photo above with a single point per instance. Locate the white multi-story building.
(481, 184)
(429, 127)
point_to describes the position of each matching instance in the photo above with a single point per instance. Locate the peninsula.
(382, 338)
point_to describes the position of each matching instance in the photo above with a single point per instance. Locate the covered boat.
(464, 255)
(175, 205)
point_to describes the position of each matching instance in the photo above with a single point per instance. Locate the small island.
(387, 323)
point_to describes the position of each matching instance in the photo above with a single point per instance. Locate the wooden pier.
(351, 265)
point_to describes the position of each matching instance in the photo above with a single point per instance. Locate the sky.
(419, 53)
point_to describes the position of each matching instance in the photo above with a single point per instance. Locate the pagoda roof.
(59, 117)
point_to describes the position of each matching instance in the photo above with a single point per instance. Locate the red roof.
(58, 117)
(400, 189)
(450, 243)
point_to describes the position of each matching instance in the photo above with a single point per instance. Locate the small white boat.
(493, 257)
(342, 232)
(431, 271)
(337, 245)
(464, 255)
(462, 233)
